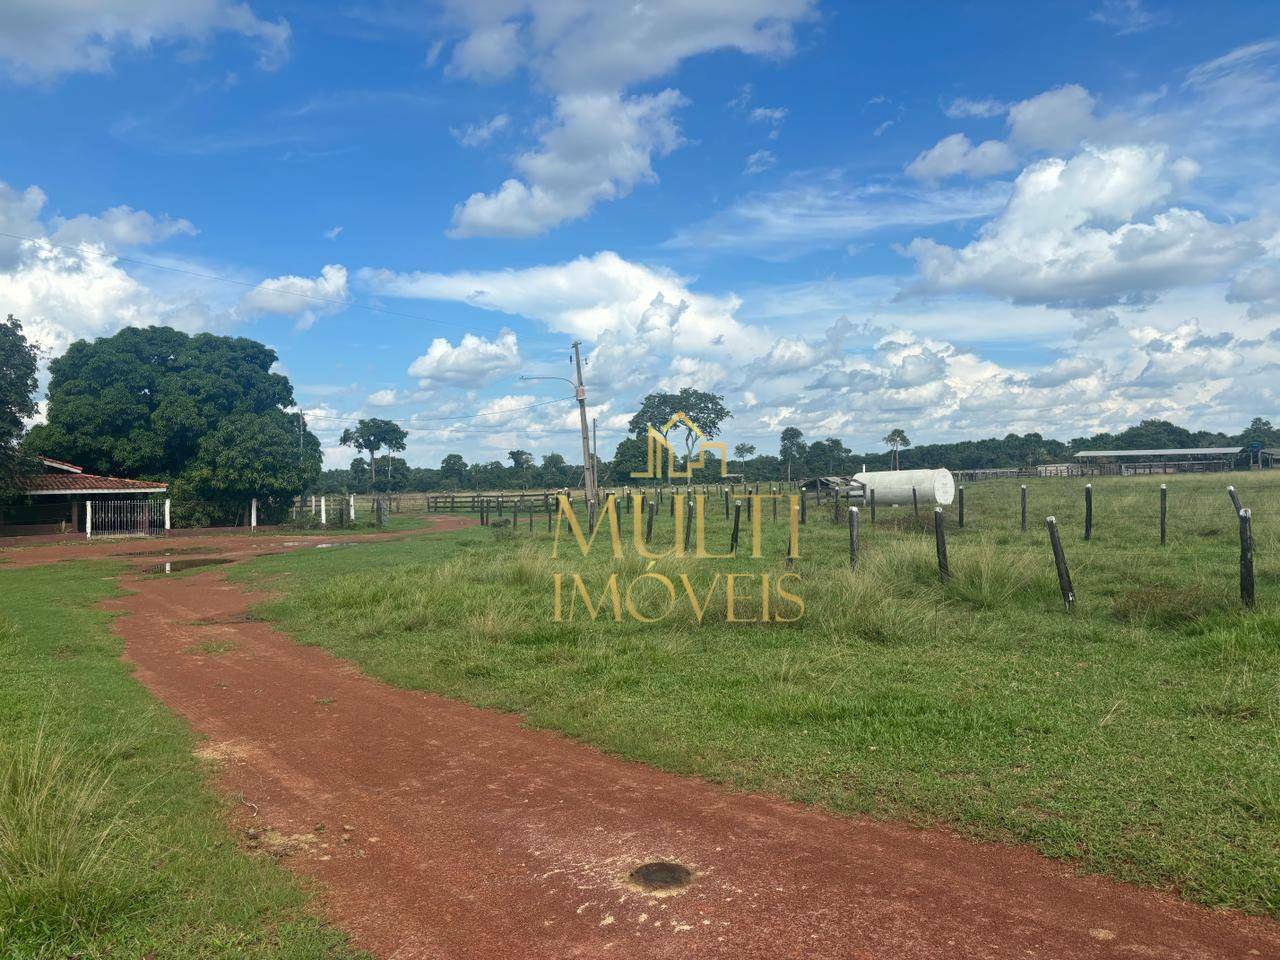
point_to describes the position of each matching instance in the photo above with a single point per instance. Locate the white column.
(88, 519)
(322, 503)
(313, 504)
(166, 514)
(253, 514)
(353, 507)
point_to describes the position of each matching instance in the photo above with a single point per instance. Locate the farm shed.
(52, 501)
(1129, 463)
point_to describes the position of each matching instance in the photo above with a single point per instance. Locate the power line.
(239, 283)
(408, 425)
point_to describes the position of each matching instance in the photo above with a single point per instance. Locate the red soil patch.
(442, 831)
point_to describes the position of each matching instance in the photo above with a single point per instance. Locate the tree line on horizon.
(797, 457)
(208, 415)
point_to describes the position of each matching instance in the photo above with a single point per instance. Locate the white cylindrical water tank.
(893, 487)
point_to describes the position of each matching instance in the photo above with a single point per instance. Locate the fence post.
(1088, 510)
(313, 504)
(1246, 556)
(915, 502)
(1235, 499)
(688, 519)
(1060, 561)
(323, 521)
(873, 504)
(793, 534)
(351, 503)
(804, 506)
(166, 515)
(88, 519)
(737, 516)
(648, 526)
(1164, 510)
(962, 506)
(253, 514)
(940, 538)
(853, 539)
(1024, 507)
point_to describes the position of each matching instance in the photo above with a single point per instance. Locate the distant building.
(52, 501)
(1182, 460)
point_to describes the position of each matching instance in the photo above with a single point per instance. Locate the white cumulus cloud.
(474, 362)
(599, 147)
(601, 140)
(1069, 235)
(305, 298)
(588, 297)
(956, 156)
(43, 39)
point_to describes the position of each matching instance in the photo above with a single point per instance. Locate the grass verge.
(110, 843)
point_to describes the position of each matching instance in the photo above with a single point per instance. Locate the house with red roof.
(53, 500)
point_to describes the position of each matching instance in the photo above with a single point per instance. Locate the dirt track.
(443, 831)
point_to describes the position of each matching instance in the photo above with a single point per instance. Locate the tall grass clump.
(63, 874)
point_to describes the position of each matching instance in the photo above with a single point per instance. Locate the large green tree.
(372, 435)
(706, 410)
(17, 399)
(792, 448)
(247, 455)
(204, 412)
(139, 403)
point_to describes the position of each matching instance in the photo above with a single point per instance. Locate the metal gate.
(124, 518)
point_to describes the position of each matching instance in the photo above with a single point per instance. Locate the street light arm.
(580, 392)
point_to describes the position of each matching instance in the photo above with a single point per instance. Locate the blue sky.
(962, 219)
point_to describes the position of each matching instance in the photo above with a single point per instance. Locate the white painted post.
(322, 503)
(313, 504)
(353, 508)
(253, 514)
(88, 519)
(166, 514)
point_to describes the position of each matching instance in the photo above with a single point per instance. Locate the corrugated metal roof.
(1183, 452)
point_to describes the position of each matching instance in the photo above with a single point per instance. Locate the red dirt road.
(442, 831)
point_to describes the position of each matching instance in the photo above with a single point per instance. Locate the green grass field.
(111, 845)
(1137, 736)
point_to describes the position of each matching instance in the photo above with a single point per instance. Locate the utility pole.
(588, 469)
(595, 451)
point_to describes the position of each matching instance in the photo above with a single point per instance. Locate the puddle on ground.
(177, 566)
(165, 552)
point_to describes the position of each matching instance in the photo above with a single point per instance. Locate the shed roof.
(1180, 452)
(66, 477)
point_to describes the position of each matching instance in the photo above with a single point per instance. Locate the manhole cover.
(661, 875)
